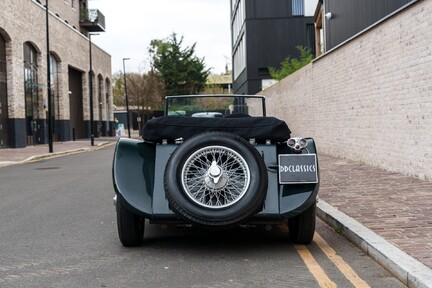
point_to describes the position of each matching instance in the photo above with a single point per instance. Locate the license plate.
(298, 168)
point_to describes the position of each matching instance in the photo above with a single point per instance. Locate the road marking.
(314, 267)
(348, 272)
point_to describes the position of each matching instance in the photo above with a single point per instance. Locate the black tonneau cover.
(174, 127)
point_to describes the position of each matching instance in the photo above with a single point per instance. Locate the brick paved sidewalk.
(396, 207)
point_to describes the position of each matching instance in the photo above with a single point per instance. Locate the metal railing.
(94, 16)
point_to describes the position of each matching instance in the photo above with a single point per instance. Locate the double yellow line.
(318, 272)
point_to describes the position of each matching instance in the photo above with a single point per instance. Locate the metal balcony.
(92, 20)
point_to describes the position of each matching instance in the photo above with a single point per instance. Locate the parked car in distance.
(218, 164)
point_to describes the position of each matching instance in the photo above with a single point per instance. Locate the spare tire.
(215, 180)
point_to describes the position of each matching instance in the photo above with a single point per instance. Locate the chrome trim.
(215, 177)
(297, 143)
(179, 140)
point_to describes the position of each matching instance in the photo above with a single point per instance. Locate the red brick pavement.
(396, 207)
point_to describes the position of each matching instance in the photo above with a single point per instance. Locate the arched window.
(31, 88)
(107, 106)
(54, 85)
(55, 90)
(100, 97)
(3, 95)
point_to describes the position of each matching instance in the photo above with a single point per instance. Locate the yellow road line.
(349, 273)
(314, 267)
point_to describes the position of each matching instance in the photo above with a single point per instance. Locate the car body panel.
(138, 175)
(133, 175)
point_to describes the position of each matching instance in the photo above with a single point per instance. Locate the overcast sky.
(132, 24)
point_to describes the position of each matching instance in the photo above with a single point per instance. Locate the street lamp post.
(126, 96)
(50, 122)
(91, 91)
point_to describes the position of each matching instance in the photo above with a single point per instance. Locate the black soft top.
(174, 127)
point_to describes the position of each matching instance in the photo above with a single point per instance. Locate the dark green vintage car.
(215, 162)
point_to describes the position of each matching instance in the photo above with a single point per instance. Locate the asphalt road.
(58, 229)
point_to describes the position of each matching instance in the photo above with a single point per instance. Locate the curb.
(68, 152)
(408, 270)
(8, 163)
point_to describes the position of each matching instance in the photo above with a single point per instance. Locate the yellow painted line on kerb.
(348, 272)
(314, 267)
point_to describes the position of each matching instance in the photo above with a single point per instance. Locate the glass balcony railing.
(92, 20)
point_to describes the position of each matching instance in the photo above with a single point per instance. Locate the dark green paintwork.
(138, 173)
(133, 175)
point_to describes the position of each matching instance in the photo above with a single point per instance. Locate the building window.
(310, 37)
(239, 18)
(3, 95)
(100, 101)
(263, 71)
(107, 106)
(298, 7)
(31, 89)
(55, 92)
(239, 57)
(100, 90)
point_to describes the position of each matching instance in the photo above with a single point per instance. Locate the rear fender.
(296, 198)
(133, 175)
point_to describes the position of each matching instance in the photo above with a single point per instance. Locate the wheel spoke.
(225, 185)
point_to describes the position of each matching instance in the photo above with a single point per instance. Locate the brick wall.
(24, 21)
(370, 99)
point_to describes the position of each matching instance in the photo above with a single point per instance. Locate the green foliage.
(182, 72)
(118, 90)
(214, 89)
(290, 65)
(338, 230)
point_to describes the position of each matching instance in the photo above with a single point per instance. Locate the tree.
(290, 65)
(118, 90)
(145, 91)
(214, 89)
(182, 72)
(136, 90)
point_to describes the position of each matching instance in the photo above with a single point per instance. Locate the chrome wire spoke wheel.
(215, 177)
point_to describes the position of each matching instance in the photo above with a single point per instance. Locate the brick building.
(23, 72)
(369, 98)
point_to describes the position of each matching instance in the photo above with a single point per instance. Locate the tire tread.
(130, 227)
(302, 227)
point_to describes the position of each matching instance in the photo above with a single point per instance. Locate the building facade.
(369, 98)
(24, 72)
(338, 20)
(263, 34)
(220, 83)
